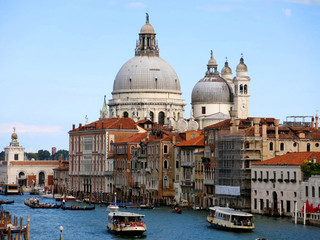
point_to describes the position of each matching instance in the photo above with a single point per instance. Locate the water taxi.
(126, 223)
(230, 219)
(9, 189)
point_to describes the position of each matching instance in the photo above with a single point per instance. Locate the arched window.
(41, 178)
(281, 146)
(21, 174)
(151, 116)
(271, 146)
(165, 182)
(308, 147)
(241, 89)
(247, 144)
(165, 164)
(245, 89)
(161, 118)
(125, 114)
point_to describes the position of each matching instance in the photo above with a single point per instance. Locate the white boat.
(126, 223)
(50, 195)
(230, 219)
(113, 208)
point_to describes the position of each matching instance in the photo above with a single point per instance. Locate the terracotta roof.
(296, 158)
(35, 163)
(195, 142)
(137, 138)
(111, 123)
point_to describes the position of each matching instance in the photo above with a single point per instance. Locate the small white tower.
(14, 152)
(241, 90)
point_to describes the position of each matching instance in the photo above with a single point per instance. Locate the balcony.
(187, 164)
(118, 186)
(208, 181)
(187, 183)
(148, 170)
(108, 173)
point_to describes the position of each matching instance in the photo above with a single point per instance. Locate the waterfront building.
(146, 86)
(310, 191)
(214, 96)
(17, 169)
(277, 185)
(234, 144)
(89, 151)
(61, 177)
(191, 170)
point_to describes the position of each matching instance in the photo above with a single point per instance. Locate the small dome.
(211, 90)
(241, 66)
(226, 69)
(147, 29)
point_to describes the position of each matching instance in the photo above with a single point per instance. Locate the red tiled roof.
(35, 163)
(137, 138)
(111, 123)
(296, 158)
(198, 141)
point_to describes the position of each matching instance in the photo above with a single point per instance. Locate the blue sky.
(59, 58)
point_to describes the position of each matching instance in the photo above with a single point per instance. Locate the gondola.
(46, 206)
(6, 202)
(78, 208)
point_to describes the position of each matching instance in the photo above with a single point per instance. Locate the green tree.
(63, 153)
(44, 154)
(2, 156)
(32, 155)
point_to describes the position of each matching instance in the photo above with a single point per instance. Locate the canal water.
(161, 224)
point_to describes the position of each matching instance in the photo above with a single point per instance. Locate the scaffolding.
(232, 174)
(298, 121)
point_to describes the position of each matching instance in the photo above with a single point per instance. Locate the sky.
(59, 58)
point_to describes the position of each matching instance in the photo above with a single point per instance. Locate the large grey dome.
(211, 90)
(146, 74)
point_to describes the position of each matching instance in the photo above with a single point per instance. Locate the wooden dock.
(12, 230)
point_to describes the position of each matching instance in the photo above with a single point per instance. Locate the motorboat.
(230, 219)
(67, 198)
(113, 207)
(126, 223)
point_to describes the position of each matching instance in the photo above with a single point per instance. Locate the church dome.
(211, 90)
(146, 74)
(242, 67)
(147, 29)
(226, 69)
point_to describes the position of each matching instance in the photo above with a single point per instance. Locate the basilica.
(147, 87)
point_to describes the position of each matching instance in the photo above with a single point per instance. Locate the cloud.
(136, 5)
(23, 128)
(287, 12)
(305, 2)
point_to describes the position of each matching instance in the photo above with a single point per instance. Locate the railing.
(187, 183)
(108, 173)
(208, 181)
(148, 170)
(187, 164)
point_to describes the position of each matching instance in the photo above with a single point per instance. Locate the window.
(125, 114)
(271, 146)
(151, 116)
(203, 110)
(165, 149)
(308, 147)
(161, 118)
(192, 136)
(255, 203)
(177, 177)
(245, 89)
(307, 191)
(16, 157)
(317, 144)
(165, 164)
(165, 182)
(241, 89)
(177, 164)
(313, 191)
(281, 146)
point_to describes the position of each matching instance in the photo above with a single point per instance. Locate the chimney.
(256, 122)
(276, 123)
(73, 127)
(312, 122)
(233, 115)
(80, 126)
(264, 130)
(102, 125)
(174, 138)
(237, 123)
(148, 136)
(317, 121)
